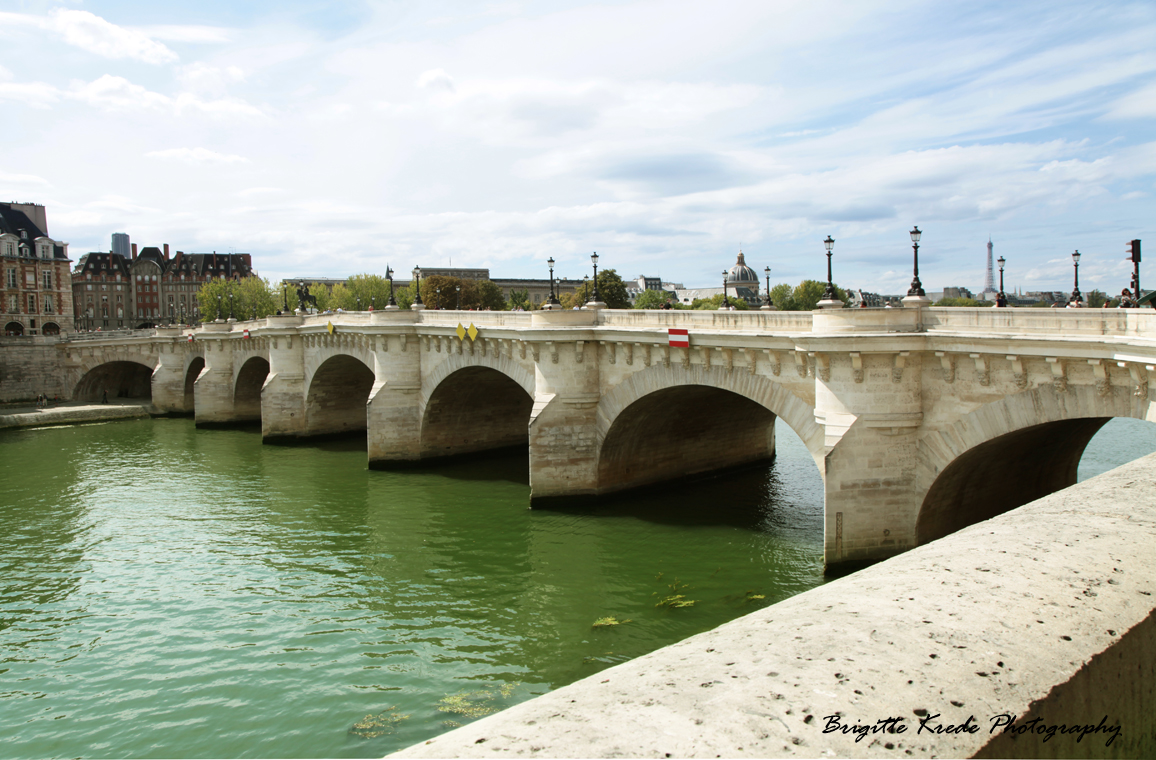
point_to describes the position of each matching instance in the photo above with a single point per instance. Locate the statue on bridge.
(304, 297)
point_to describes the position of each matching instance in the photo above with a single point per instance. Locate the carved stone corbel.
(822, 366)
(857, 366)
(705, 352)
(773, 359)
(644, 351)
(611, 352)
(552, 350)
(947, 362)
(535, 349)
(1018, 373)
(900, 364)
(1139, 378)
(1103, 381)
(728, 357)
(684, 356)
(1059, 378)
(628, 350)
(981, 369)
(750, 354)
(579, 347)
(522, 349)
(665, 350)
(801, 363)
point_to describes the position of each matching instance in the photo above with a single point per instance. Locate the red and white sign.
(190, 337)
(679, 337)
(246, 333)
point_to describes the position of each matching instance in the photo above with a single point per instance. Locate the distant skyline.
(330, 139)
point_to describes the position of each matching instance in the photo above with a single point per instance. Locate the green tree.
(783, 297)
(242, 298)
(490, 296)
(1096, 299)
(808, 293)
(405, 296)
(715, 302)
(653, 299)
(963, 302)
(612, 290)
(575, 297)
(372, 289)
(519, 299)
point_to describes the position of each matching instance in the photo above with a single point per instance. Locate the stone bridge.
(920, 420)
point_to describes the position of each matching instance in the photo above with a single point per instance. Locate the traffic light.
(1134, 251)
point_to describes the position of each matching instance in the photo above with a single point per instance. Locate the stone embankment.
(1045, 615)
(72, 413)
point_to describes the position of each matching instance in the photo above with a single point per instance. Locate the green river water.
(173, 592)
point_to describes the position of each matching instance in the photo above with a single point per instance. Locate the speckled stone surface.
(1044, 612)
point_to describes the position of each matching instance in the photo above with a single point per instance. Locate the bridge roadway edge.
(1046, 611)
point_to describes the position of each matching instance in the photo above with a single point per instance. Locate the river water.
(169, 592)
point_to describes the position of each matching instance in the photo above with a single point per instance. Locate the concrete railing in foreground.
(1044, 615)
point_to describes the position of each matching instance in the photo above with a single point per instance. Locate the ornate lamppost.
(829, 293)
(585, 288)
(459, 289)
(359, 303)
(285, 296)
(916, 288)
(1076, 297)
(220, 309)
(726, 303)
(767, 303)
(231, 317)
(553, 302)
(1134, 255)
(389, 276)
(1002, 297)
(594, 259)
(417, 289)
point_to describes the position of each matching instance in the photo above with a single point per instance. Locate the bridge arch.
(247, 384)
(338, 391)
(475, 403)
(194, 365)
(667, 422)
(1011, 452)
(118, 378)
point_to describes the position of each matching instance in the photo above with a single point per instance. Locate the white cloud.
(188, 33)
(33, 94)
(1139, 104)
(203, 78)
(92, 33)
(197, 156)
(115, 93)
(24, 180)
(435, 79)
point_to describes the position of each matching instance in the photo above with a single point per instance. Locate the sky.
(333, 138)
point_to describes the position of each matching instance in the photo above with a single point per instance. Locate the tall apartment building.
(36, 294)
(120, 243)
(148, 288)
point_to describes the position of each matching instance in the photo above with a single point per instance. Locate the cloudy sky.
(329, 138)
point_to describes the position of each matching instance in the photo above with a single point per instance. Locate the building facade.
(37, 285)
(148, 288)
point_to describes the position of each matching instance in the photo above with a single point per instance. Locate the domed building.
(742, 276)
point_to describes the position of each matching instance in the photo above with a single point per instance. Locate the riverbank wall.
(1032, 634)
(31, 365)
(71, 414)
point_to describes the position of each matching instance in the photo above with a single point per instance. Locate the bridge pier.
(283, 393)
(393, 416)
(213, 389)
(168, 383)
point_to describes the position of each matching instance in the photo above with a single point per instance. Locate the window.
(13, 304)
(47, 280)
(9, 249)
(89, 286)
(11, 278)
(45, 251)
(30, 279)
(31, 303)
(47, 304)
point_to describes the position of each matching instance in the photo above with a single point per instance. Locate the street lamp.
(438, 298)
(1076, 286)
(231, 305)
(1134, 255)
(553, 300)
(829, 294)
(726, 303)
(459, 289)
(916, 286)
(285, 296)
(1001, 261)
(417, 286)
(768, 303)
(359, 303)
(594, 258)
(220, 309)
(389, 276)
(585, 288)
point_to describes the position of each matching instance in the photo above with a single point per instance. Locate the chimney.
(166, 251)
(134, 251)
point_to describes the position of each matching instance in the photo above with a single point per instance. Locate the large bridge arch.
(248, 381)
(194, 366)
(118, 378)
(1010, 452)
(667, 422)
(336, 396)
(474, 403)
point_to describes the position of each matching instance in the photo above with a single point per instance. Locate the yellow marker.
(461, 331)
(329, 326)
(473, 332)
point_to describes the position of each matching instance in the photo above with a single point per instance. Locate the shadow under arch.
(669, 423)
(1011, 452)
(472, 409)
(192, 372)
(337, 396)
(247, 389)
(119, 379)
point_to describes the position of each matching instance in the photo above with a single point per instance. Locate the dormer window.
(24, 234)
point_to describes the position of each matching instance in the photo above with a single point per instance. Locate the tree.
(241, 297)
(653, 299)
(783, 297)
(489, 296)
(575, 297)
(612, 290)
(405, 296)
(808, 293)
(1096, 299)
(519, 299)
(965, 302)
(715, 302)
